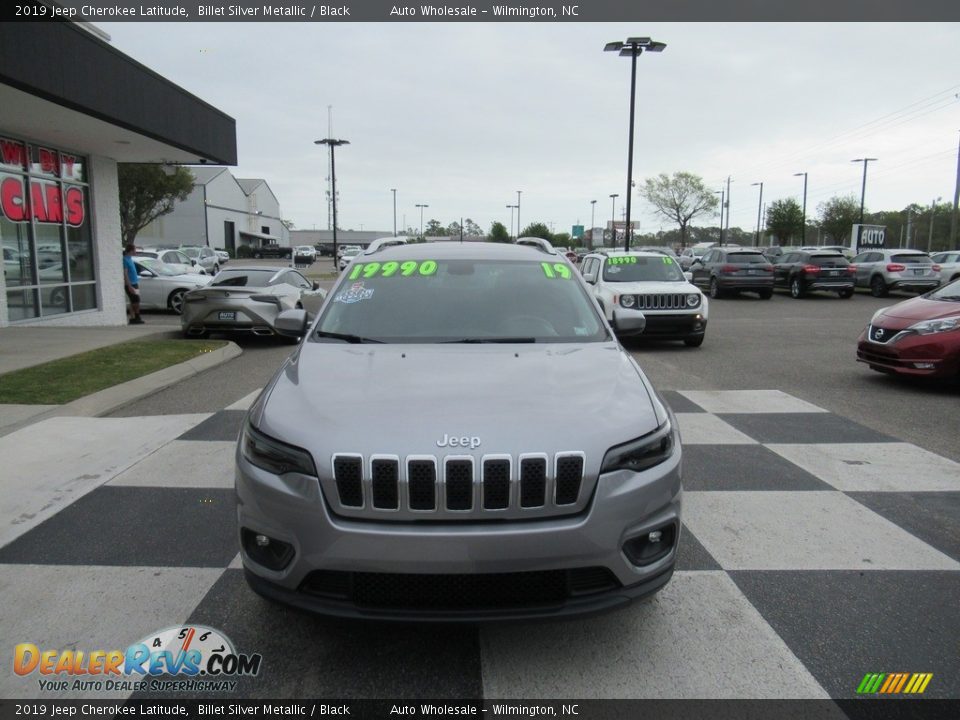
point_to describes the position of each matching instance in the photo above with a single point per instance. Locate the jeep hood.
(403, 399)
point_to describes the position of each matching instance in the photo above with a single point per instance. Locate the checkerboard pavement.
(814, 550)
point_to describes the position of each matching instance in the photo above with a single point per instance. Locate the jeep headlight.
(693, 299)
(642, 453)
(928, 327)
(274, 456)
(628, 301)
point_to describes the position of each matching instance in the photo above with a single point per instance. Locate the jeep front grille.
(662, 301)
(456, 487)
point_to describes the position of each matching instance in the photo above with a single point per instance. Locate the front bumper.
(673, 327)
(938, 354)
(625, 506)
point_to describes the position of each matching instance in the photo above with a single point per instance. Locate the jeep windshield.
(460, 300)
(636, 268)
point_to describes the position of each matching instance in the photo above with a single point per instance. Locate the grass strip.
(64, 380)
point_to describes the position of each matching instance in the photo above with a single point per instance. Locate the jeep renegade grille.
(456, 487)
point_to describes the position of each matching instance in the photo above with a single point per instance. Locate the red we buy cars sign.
(44, 201)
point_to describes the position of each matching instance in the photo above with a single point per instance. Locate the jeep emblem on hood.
(449, 441)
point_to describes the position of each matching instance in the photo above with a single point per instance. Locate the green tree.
(498, 233)
(539, 230)
(146, 193)
(472, 229)
(453, 230)
(680, 198)
(837, 217)
(784, 220)
(435, 229)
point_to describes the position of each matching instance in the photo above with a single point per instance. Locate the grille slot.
(662, 301)
(348, 472)
(496, 484)
(533, 482)
(422, 484)
(385, 474)
(569, 477)
(459, 484)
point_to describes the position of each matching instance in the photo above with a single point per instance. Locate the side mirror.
(591, 278)
(146, 273)
(688, 276)
(291, 323)
(628, 322)
(695, 263)
(316, 285)
(193, 262)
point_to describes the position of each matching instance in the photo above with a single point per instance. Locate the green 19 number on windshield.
(392, 267)
(553, 270)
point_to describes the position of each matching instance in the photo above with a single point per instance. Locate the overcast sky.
(460, 116)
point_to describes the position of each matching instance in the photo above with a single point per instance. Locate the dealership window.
(45, 230)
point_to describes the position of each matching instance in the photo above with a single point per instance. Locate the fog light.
(267, 551)
(654, 545)
(924, 366)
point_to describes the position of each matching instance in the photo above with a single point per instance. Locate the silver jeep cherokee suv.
(459, 436)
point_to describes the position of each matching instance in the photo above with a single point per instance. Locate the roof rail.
(540, 243)
(381, 243)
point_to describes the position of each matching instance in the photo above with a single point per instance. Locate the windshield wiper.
(492, 340)
(947, 297)
(346, 336)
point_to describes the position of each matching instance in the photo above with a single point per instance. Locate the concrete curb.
(112, 398)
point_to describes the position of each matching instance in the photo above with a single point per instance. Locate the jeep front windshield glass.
(460, 300)
(636, 268)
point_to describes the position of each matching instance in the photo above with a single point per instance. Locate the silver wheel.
(175, 301)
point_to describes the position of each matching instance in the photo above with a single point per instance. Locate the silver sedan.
(162, 287)
(248, 300)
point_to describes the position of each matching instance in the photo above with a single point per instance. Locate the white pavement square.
(877, 467)
(245, 402)
(749, 401)
(678, 645)
(183, 463)
(705, 429)
(810, 530)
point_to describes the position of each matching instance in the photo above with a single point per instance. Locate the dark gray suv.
(458, 437)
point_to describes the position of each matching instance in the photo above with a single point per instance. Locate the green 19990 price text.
(391, 267)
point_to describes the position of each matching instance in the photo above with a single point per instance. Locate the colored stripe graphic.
(894, 683)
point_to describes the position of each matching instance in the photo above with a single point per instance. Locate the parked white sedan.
(163, 287)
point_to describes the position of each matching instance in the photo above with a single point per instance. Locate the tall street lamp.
(863, 189)
(593, 208)
(518, 213)
(394, 191)
(512, 208)
(721, 193)
(803, 224)
(632, 48)
(333, 183)
(613, 218)
(756, 237)
(421, 218)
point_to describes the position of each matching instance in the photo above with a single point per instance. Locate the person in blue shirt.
(131, 282)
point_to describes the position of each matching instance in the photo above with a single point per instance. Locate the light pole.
(863, 189)
(803, 224)
(512, 207)
(333, 183)
(394, 191)
(756, 237)
(933, 210)
(593, 209)
(421, 218)
(613, 218)
(632, 48)
(727, 234)
(518, 213)
(721, 194)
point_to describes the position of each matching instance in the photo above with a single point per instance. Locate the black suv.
(724, 270)
(801, 272)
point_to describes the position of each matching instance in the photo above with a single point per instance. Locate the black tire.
(878, 288)
(257, 255)
(175, 301)
(796, 288)
(196, 336)
(694, 340)
(715, 292)
(765, 294)
(846, 294)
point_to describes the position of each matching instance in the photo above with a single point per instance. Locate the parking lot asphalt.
(820, 542)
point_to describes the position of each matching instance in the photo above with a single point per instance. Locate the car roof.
(457, 250)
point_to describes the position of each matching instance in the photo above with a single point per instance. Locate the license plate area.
(919, 271)
(227, 315)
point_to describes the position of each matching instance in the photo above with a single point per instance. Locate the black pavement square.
(843, 624)
(129, 526)
(743, 467)
(680, 404)
(307, 655)
(691, 555)
(802, 428)
(224, 425)
(934, 517)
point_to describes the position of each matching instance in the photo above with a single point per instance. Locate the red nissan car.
(920, 336)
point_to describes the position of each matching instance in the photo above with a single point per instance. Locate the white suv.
(653, 283)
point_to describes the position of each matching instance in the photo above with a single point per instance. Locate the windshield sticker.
(622, 260)
(613, 270)
(387, 269)
(356, 293)
(555, 270)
